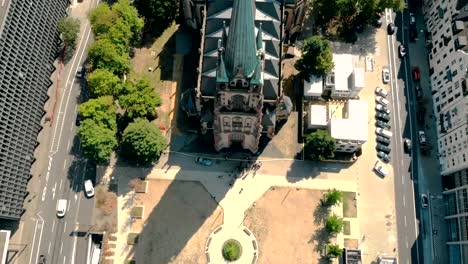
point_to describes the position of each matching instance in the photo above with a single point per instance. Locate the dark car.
(416, 74)
(383, 140)
(378, 21)
(383, 124)
(383, 148)
(383, 116)
(407, 145)
(42, 259)
(419, 94)
(391, 29)
(78, 120)
(424, 201)
(401, 51)
(383, 156)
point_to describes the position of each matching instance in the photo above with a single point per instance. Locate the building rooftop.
(313, 87)
(4, 240)
(354, 124)
(342, 70)
(317, 116)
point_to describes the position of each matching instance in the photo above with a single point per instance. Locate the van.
(383, 132)
(61, 207)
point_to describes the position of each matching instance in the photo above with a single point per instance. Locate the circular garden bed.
(232, 250)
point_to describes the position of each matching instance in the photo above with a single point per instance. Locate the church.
(238, 93)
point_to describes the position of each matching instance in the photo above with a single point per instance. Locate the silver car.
(385, 75)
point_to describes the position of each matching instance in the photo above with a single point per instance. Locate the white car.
(382, 108)
(422, 137)
(89, 188)
(385, 75)
(412, 19)
(383, 132)
(382, 100)
(204, 161)
(380, 169)
(61, 207)
(381, 91)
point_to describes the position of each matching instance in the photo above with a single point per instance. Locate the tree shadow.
(321, 213)
(321, 238)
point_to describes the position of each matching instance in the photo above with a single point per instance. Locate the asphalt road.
(63, 178)
(412, 221)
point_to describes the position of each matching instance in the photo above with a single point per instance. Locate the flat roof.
(313, 87)
(354, 127)
(4, 241)
(359, 80)
(343, 69)
(317, 115)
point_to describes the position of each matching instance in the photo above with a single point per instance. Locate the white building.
(313, 88)
(346, 80)
(447, 42)
(348, 127)
(351, 131)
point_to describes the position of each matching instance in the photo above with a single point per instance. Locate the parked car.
(378, 21)
(385, 75)
(383, 156)
(42, 259)
(382, 124)
(80, 72)
(391, 29)
(78, 120)
(383, 148)
(382, 109)
(407, 145)
(61, 208)
(380, 169)
(424, 201)
(383, 116)
(381, 91)
(401, 51)
(412, 19)
(422, 137)
(203, 161)
(383, 140)
(419, 94)
(89, 188)
(416, 74)
(383, 132)
(381, 100)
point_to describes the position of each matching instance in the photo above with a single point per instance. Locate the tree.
(320, 145)
(334, 224)
(158, 12)
(102, 111)
(142, 142)
(69, 29)
(106, 55)
(130, 17)
(139, 100)
(102, 18)
(333, 197)
(334, 251)
(103, 82)
(97, 140)
(317, 58)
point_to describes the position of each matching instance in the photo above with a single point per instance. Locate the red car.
(416, 74)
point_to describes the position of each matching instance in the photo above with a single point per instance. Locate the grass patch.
(349, 204)
(137, 212)
(132, 238)
(232, 250)
(346, 228)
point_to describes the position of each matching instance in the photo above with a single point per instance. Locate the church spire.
(260, 37)
(241, 47)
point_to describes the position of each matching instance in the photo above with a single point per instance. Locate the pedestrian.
(241, 190)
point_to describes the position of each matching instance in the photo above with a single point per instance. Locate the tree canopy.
(334, 251)
(317, 58)
(103, 82)
(333, 197)
(334, 224)
(97, 140)
(320, 145)
(139, 99)
(106, 55)
(142, 142)
(101, 110)
(158, 12)
(69, 29)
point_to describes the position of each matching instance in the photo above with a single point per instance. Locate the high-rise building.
(28, 44)
(239, 95)
(447, 34)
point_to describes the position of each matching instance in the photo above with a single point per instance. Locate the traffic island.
(232, 250)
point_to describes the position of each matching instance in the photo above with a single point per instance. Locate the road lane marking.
(53, 190)
(34, 240)
(53, 226)
(44, 194)
(69, 142)
(74, 250)
(60, 186)
(48, 248)
(404, 201)
(61, 248)
(65, 227)
(64, 259)
(405, 220)
(65, 164)
(402, 179)
(40, 237)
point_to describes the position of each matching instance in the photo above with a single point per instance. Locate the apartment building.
(28, 43)
(447, 32)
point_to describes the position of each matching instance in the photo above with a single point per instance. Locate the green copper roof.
(260, 38)
(221, 75)
(241, 47)
(257, 78)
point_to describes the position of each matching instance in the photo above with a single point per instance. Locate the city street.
(63, 177)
